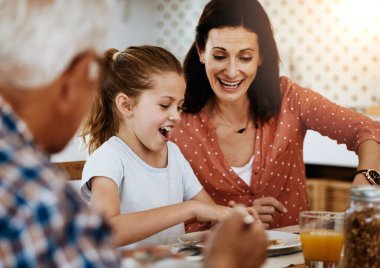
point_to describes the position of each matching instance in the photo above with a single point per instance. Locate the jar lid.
(365, 193)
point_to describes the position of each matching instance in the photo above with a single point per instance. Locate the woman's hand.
(266, 207)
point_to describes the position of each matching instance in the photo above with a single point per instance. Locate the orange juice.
(322, 245)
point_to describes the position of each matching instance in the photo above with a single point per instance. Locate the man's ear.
(67, 101)
(124, 104)
(78, 88)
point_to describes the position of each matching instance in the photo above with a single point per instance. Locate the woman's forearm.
(369, 158)
(369, 155)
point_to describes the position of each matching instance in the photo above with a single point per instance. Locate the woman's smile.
(230, 85)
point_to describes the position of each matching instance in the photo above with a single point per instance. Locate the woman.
(244, 125)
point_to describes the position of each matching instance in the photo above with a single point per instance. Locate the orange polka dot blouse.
(278, 168)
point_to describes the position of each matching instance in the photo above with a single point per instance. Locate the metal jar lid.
(368, 193)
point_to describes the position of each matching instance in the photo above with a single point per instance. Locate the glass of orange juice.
(321, 238)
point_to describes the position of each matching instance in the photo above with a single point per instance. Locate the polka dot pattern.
(326, 45)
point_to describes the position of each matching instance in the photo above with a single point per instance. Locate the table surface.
(294, 260)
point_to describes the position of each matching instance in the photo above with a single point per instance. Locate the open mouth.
(230, 85)
(164, 131)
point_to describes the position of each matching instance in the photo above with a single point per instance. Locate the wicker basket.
(328, 194)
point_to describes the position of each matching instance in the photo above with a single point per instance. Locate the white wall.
(133, 23)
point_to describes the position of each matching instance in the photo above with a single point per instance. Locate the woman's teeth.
(229, 84)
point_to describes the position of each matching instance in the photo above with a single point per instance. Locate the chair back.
(73, 169)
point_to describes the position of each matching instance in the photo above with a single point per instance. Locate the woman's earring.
(201, 60)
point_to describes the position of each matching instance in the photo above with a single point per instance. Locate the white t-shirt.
(141, 186)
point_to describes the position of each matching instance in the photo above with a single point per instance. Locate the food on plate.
(276, 242)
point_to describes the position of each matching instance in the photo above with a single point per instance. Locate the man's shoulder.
(36, 203)
(28, 178)
(34, 180)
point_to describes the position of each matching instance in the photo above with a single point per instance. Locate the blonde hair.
(127, 72)
(39, 38)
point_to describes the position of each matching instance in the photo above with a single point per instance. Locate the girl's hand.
(211, 212)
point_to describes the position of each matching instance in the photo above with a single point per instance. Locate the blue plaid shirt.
(43, 221)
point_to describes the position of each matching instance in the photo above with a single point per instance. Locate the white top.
(142, 187)
(245, 172)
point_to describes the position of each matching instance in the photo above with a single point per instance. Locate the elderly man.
(49, 74)
(48, 77)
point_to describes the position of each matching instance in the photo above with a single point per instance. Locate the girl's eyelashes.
(164, 106)
(179, 108)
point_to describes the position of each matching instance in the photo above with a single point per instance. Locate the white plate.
(195, 238)
(289, 240)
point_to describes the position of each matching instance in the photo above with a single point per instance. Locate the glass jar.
(362, 228)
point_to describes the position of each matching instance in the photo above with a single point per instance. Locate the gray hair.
(39, 38)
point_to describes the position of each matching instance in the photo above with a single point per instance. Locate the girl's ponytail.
(102, 121)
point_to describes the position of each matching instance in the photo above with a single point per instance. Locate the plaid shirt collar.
(11, 124)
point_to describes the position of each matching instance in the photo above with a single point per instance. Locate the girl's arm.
(218, 212)
(222, 211)
(132, 227)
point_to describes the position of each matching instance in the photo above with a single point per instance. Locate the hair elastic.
(114, 56)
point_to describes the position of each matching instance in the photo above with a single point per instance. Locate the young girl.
(137, 178)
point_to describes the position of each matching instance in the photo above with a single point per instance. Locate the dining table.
(292, 259)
